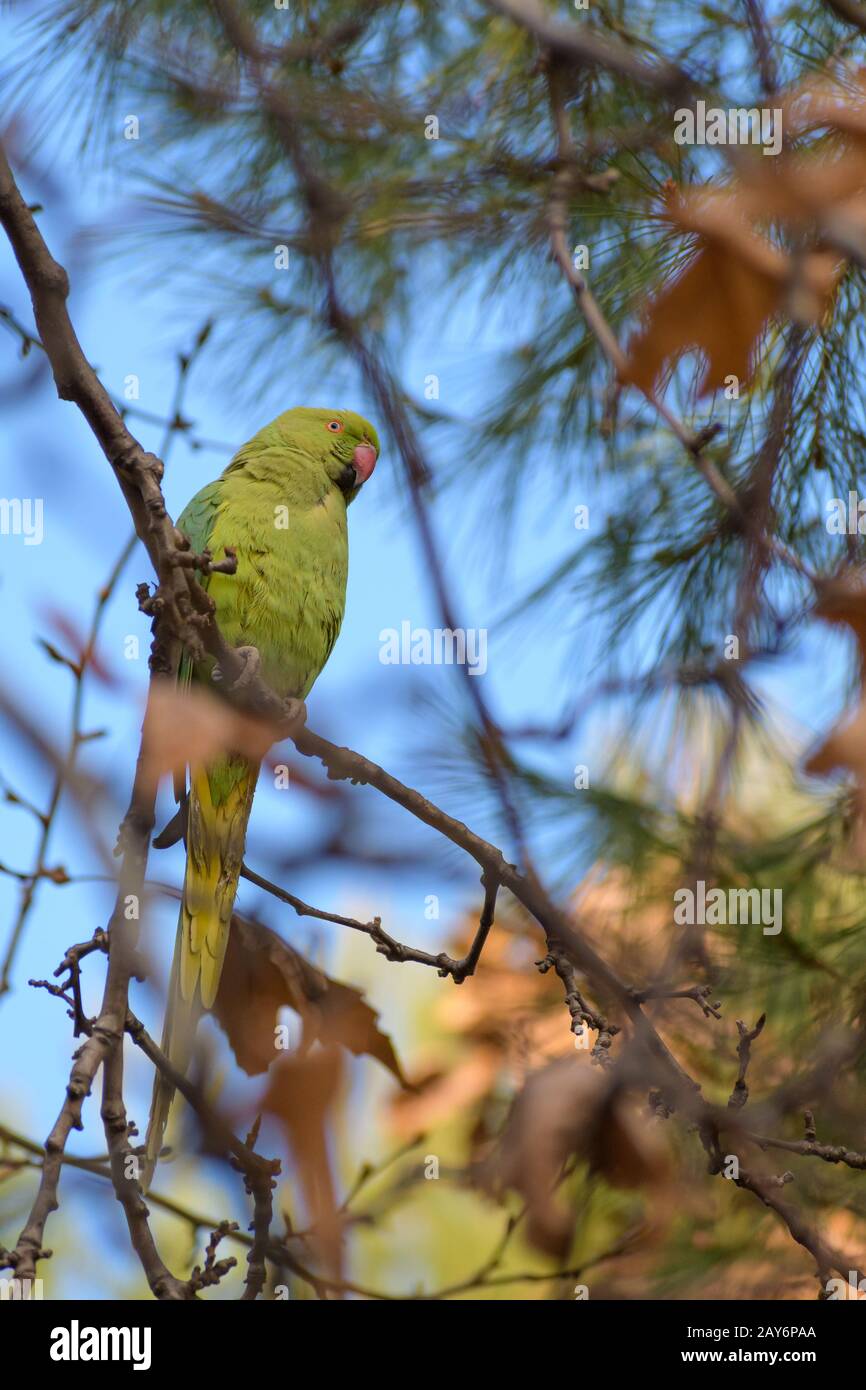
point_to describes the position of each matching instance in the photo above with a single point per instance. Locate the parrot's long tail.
(178, 1036)
(220, 801)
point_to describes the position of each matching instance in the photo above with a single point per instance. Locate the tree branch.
(583, 46)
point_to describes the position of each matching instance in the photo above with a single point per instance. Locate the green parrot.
(281, 503)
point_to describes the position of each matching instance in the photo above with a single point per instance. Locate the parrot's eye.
(335, 426)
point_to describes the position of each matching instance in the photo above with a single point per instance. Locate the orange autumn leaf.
(844, 747)
(719, 305)
(261, 974)
(802, 186)
(193, 727)
(570, 1108)
(738, 279)
(440, 1094)
(842, 602)
(721, 302)
(301, 1094)
(824, 103)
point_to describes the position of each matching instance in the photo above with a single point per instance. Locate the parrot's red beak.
(364, 461)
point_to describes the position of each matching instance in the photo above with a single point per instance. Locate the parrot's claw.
(252, 666)
(295, 715)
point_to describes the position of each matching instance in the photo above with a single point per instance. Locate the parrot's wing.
(198, 516)
(196, 521)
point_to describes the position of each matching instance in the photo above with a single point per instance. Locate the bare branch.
(386, 945)
(740, 1093)
(583, 46)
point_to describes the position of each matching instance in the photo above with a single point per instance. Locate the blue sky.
(129, 321)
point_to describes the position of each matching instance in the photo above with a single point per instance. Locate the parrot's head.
(344, 442)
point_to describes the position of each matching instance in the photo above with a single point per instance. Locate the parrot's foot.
(252, 666)
(295, 716)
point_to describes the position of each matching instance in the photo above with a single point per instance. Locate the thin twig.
(740, 1093)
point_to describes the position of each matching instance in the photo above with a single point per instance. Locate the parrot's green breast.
(282, 512)
(289, 593)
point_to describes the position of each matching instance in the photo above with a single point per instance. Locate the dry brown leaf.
(440, 1095)
(261, 973)
(844, 746)
(842, 602)
(566, 1108)
(824, 104)
(721, 302)
(802, 186)
(302, 1090)
(192, 727)
(719, 305)
(801, 183)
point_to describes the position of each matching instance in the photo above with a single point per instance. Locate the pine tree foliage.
(408, 155)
